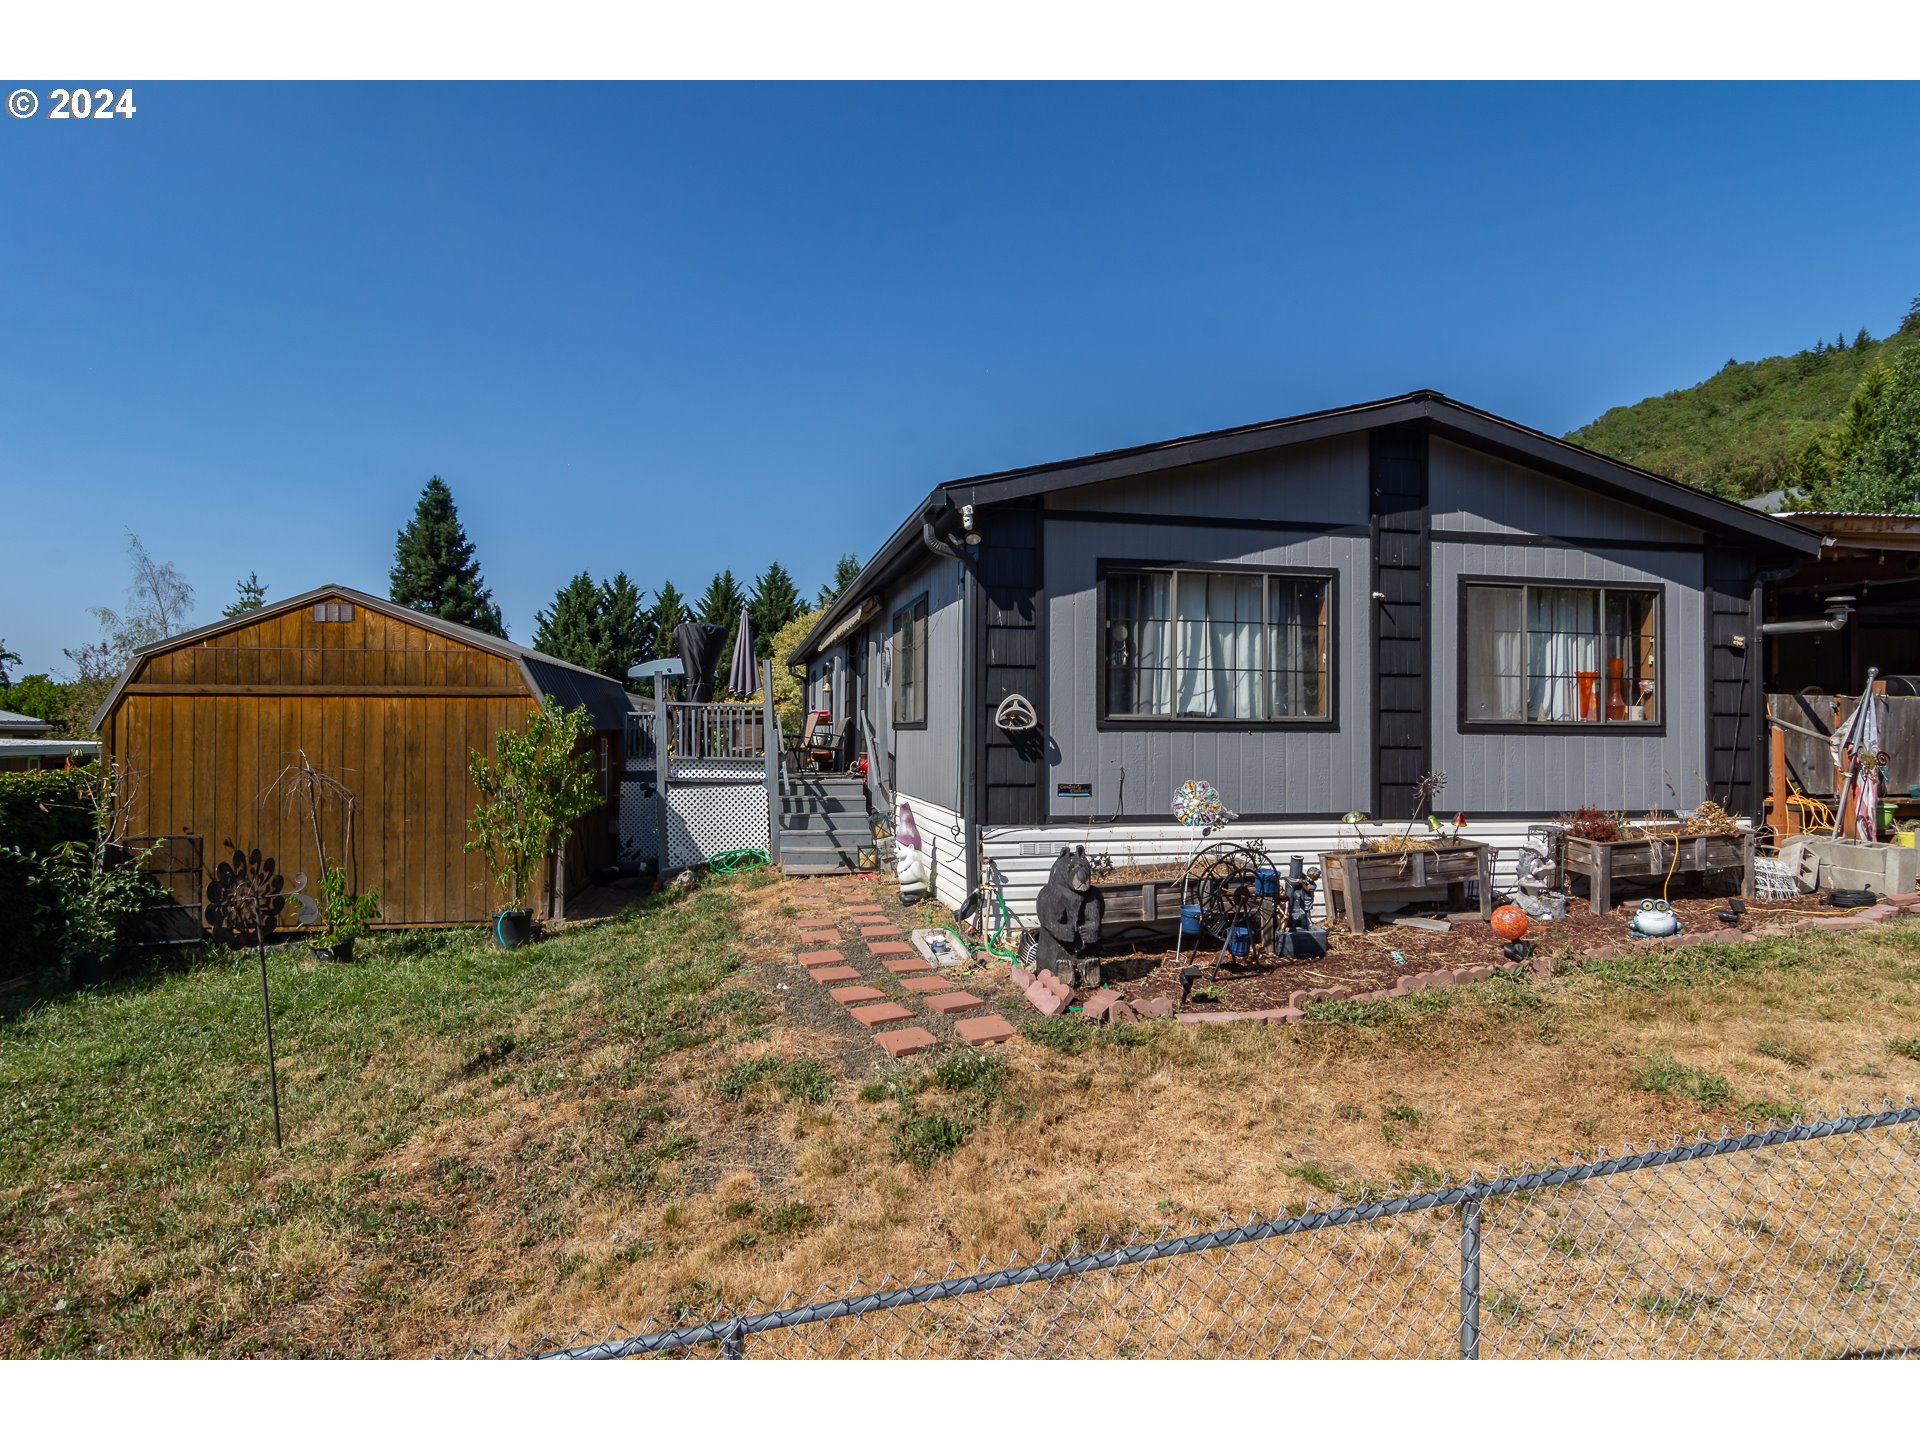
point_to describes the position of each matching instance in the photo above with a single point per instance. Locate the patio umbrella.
(741, 678)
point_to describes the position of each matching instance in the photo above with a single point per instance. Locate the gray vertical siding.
(1258, 771)
(1548, 773)
(926, 763)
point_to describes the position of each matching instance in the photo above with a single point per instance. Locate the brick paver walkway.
(851, 938)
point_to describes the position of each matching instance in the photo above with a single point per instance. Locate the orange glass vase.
(1616, 691)
(1588, 679)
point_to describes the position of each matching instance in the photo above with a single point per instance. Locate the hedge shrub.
(39, 809)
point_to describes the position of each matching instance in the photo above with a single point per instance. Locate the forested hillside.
(1789, 420)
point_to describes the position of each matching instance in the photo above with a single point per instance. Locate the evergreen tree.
(7, 657)
(774, 603)
(845, 570)
(1884, 473)
(668, 611)
(1863, 339)
(434, 569)
(720, 603)
(569, 629)
(1840, 341)
(249, 594)
(626, 634)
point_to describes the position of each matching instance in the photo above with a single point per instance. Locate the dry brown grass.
(495, 1205)
(1206, 1121)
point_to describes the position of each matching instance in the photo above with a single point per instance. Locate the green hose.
(728, 861)
(1003, 924)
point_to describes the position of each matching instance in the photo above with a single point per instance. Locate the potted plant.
(344, 915)
(93, 886)
(537, 783)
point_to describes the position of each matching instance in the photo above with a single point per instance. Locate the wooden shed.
(384, 699)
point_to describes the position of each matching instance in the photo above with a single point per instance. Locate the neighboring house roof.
(14, 746)
(569, 684)
(1863, 530)
(1427, 408)
(12, 722)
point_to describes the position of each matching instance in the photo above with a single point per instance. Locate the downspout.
(966, 554)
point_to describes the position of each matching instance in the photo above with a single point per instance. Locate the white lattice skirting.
(703, 820)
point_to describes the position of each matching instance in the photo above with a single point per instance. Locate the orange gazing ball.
(1509, 922)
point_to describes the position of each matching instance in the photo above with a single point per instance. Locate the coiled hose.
(728, 861)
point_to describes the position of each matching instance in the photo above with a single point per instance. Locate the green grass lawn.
(448, 1108)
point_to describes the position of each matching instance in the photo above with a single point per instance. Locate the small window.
(910, 664)
(333, 612)
(1206, 645)
(1561, 655)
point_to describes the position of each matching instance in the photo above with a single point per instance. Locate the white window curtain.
(1215, 646)
(1563, 632)
(1496, 640)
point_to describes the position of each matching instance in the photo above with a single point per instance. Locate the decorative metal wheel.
(1221, 882)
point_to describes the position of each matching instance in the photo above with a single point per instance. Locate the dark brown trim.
(1134, 725)
(1567, 542)
(1624, 729)
(1316, 528)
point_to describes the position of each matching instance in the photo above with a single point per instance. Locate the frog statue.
(1070, 908)
(1654, 920)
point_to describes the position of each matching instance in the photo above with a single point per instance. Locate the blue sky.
(668, 328)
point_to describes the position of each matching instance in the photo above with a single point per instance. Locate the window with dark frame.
(910, 664)
(1540, 654)
(333, 612)
(1217, 645)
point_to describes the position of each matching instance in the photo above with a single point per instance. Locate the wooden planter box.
(1140, 902)
(1355, 877)
(1604, 861)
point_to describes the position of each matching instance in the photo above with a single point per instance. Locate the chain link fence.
(1802, 1241)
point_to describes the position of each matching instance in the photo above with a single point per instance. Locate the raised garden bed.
(1363, 964)
(1602, 862)
(1383, 879)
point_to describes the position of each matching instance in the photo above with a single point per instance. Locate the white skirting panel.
(1022, 856)
(943, 842)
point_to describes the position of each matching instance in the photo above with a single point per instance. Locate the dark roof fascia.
(1440, 415)
(466, 634)
(1540, 451)
(1187, 450)
(887, 563)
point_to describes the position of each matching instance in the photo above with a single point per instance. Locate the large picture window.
(1561, 655)
(910, 664)
(1213, 645)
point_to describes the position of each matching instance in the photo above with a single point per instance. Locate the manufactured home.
(383, 699)
(1311, 614)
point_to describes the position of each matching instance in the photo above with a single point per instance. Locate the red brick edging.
(1050, 995)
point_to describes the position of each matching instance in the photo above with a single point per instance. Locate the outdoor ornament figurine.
(1070, 908)
(1654, 920)
(1509, 922)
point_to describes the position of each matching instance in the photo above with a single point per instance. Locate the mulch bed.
(1366, 962)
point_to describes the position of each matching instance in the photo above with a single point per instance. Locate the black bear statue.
(1070, 909)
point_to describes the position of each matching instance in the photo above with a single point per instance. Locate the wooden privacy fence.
(1809, 762)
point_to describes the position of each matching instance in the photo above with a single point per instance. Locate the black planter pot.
(341, 954)
(512, 928)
